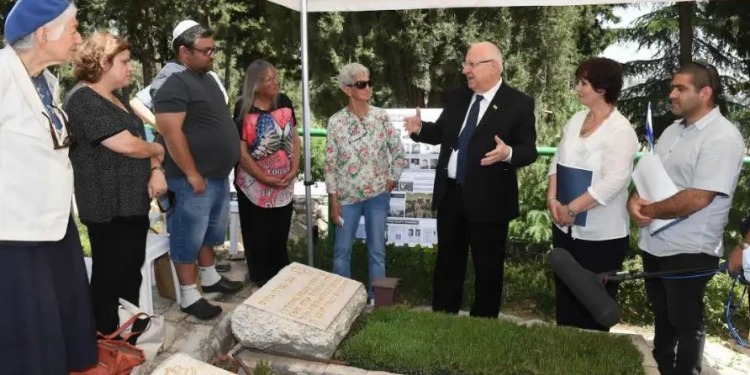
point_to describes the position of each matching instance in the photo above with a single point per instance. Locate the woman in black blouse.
(116, 173)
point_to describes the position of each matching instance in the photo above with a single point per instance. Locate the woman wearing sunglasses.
(364, 160)
(116, 173)
(264, 178)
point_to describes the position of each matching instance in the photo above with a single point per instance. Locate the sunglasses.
(361, 84)
(60, 115)
(711, 71)
(165, 201)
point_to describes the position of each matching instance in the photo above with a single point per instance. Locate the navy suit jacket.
(490, 193)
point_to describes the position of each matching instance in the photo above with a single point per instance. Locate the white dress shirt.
(608, 153)
(483, 105)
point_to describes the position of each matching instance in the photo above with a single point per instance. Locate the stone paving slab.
(292, 366)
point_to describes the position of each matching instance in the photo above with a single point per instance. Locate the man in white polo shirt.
(702, 154)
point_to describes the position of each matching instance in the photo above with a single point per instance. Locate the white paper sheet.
(653, 184)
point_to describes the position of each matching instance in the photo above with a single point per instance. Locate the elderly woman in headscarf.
(46, 319)
(364, 160)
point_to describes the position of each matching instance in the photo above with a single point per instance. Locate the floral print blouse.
(362, 155)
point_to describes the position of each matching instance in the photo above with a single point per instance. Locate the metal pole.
(306, 126)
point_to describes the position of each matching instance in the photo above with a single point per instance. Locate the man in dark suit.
(486, 131)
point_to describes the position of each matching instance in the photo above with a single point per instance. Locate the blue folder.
(571, 183)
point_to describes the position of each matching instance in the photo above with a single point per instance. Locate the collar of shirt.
(703, 121)
(489, 94)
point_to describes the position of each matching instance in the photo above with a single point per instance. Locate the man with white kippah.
(142, 102)
(46, 317)
(202, 149)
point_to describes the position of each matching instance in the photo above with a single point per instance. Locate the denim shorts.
(197, 219)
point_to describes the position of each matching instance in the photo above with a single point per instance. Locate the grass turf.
(414, 342)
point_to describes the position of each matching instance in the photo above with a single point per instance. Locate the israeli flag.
(649, 130)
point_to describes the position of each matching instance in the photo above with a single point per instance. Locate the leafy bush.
(83, 233)
(413, 342)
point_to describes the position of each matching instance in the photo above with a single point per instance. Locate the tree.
(667, 30)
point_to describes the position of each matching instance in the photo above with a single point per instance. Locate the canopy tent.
(305, 6)
(370, 5)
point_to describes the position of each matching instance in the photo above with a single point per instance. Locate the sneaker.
(224, 285)
(202, 310)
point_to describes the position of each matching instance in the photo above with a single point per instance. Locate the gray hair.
(349, 72)
(253, 75)
(492, 51)
(56, 28)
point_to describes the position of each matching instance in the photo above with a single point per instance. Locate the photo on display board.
(419, 205)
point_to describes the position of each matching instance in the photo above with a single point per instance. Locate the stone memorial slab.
(183, 364)
(301, 311)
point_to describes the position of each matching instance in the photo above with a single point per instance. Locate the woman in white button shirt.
(600, 142)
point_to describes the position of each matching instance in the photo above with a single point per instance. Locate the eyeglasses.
(57, 143)
(206, 51)
(361, 84)
(472, 65)
(357, 135)
(269, 80)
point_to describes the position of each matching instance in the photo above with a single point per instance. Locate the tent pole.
(306, 125)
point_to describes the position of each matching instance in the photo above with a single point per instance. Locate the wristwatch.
(571, 213)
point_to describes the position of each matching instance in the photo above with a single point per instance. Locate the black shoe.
(224, 285)
(222, 267)
(202, 310)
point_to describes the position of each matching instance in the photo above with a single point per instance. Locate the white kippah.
(182, 27)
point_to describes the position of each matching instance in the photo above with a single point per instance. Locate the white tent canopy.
(371, 5)
(305, 6)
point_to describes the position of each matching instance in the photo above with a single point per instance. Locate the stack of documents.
(654, 185)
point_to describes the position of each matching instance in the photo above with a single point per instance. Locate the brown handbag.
(116, 356)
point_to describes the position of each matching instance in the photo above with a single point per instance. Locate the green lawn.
(413, 342)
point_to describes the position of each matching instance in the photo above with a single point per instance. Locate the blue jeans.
(375, 210)
(197, 219)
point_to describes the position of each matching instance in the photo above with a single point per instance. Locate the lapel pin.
(494, 106)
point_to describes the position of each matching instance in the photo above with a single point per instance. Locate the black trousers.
(595, 256)
(118, 249)
(456, 235)
(679, 316)
(265, 232)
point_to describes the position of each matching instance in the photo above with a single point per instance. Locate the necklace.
(593, 127)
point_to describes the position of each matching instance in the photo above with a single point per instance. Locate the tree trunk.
(228, 53)
(685, 19)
